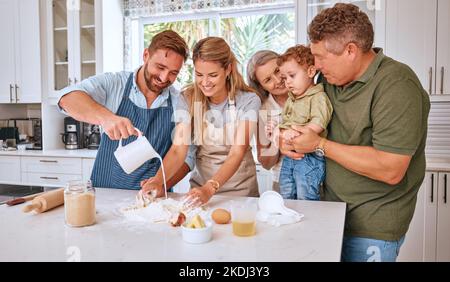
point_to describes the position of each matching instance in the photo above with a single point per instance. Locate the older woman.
(263, 76)
(221, 114)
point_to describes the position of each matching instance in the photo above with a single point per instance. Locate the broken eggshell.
(178, 220)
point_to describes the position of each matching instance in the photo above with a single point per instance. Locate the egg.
(221, 216)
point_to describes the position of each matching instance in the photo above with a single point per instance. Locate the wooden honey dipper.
(46, 201)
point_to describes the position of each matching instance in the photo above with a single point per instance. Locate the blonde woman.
(220, 118)
(263, 74)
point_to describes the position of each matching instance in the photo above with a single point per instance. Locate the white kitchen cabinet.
(427, 237)
(50, 171)
(52, 165)
(421, 43)
(20, 53)
(77, 31)
(443, 49)
(9, 169)
(7, 64)
(72, 41)
(48, 179)
(443, 219)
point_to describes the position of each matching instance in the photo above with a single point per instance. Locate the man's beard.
(149, 81)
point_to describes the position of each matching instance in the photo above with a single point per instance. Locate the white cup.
(135, 154)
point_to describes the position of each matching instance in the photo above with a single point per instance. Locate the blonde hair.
(260, 58)
(213, 49)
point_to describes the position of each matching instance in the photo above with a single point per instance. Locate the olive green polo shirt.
(311, 107)
(387, 108)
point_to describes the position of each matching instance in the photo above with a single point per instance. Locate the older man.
(375, 147)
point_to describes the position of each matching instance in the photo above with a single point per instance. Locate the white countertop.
(82, 153)
(438, 164)
(44, 237)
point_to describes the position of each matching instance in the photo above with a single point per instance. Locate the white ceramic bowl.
(197, 235)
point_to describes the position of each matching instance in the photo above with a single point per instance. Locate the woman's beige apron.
(212, 154)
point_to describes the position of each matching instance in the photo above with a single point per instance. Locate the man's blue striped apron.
(155, 124)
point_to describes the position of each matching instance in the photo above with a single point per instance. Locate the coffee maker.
(73, 134)
(37, 134)
(93, 141)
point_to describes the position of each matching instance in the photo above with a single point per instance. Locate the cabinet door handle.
(75, 80)
(432, 188)
(16, 87)
(445, 188)
(10, 93)
(49, 178)
(46, 161)
(431, 80)
(442, 79)
(70, 81)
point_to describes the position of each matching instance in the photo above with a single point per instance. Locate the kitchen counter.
(438, 164)
(44, 237)
(82, 153)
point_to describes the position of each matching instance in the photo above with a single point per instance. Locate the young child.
(307, 105)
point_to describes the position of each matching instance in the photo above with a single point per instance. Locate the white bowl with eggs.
(197, 235)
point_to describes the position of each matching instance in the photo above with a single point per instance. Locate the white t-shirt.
(247, 109)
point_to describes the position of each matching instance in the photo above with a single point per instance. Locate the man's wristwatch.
(320, 150)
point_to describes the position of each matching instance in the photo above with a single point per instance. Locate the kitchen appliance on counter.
(80, 135)
(73, 134)
(37, 134)
(9, 132)
(22, 131)
(93, 142)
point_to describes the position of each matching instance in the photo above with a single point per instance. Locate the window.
(191, 30)
(250, 33)
(246, 31)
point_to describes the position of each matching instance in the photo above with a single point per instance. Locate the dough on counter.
(143, 201)
(160, 210)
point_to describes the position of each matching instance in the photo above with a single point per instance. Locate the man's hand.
(151, 184)
(308, 140)
(117, 127)
(288, 150)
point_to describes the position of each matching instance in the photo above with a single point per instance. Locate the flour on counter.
(160, 211)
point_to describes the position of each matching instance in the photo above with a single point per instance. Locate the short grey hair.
(260, 58)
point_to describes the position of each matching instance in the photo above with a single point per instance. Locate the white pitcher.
(135, 154)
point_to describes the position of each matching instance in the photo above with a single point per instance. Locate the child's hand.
(290, 134)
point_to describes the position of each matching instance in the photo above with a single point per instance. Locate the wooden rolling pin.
(46, 201)
(23, 199)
